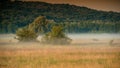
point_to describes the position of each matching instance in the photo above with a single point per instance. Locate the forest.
(74, 19)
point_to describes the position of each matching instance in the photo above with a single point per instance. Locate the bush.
(24, 34)
(56, 36)
(29, 33)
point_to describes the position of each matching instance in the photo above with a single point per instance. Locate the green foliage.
(56, 36)
(91, 27)
(39, 24)
(24, 34)
(30, 32)
(19, 14)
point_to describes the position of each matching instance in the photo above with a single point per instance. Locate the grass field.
(51, 56)
(80, 54)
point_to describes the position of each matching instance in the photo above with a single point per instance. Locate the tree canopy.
(56, 36)
(25, 35)
(39, 24)
(30, 32)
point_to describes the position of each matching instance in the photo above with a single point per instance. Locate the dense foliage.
(17, 14)
(56, 36)
(30, 32)
(25, 35)
(39, 25)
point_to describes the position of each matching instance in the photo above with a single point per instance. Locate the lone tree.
(30, 32)
(56, 36)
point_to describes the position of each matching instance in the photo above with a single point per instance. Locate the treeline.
(75, 19)
(91, 27)
(71, 27)
(25, 12)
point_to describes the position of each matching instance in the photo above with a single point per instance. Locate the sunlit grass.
(59, 58)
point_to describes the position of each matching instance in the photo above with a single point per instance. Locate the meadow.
(81, 53)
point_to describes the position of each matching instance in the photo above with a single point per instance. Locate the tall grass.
(61, 57)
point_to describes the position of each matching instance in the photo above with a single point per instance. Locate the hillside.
(19, 14)
(57, 12)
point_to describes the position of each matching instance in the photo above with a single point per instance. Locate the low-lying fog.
(73, 36)
(77, 39)
(93, 35)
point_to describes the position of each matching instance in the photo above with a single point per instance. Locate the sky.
(105, 5)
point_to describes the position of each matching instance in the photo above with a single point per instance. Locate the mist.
(94, 35)
(90, 37)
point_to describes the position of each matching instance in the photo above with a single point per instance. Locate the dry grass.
(34, 55)
(82, 53)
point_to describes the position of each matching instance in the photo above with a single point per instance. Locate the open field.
(81, 53)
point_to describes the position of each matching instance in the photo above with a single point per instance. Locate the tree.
(56, 36)
(24, 34)
(39, 24)
(30, 32)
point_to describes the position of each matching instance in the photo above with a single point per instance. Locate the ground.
(81, 53)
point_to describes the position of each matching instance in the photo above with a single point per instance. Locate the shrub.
(56, 36)
(29, 33)
(23, 34)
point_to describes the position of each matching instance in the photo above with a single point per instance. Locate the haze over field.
(76, 36)
(85, 51)
(83, 38)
